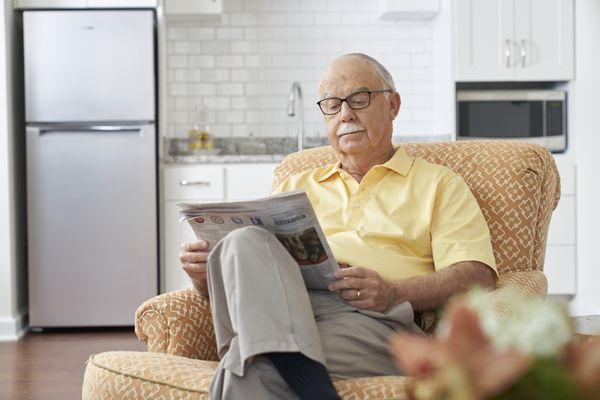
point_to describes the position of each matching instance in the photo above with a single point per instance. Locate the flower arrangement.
(476, 355)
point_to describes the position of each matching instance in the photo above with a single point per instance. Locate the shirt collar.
(399, 163)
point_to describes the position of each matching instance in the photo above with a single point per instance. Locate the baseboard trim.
(13, 328)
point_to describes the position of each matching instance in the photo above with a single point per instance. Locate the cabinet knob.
(194, 183)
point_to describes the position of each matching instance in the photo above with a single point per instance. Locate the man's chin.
(352, 143)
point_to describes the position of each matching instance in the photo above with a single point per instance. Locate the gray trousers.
(260, 305)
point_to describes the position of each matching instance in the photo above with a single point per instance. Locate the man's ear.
(395, 103)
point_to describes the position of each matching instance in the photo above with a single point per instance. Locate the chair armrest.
(513, 288)
(178, 323)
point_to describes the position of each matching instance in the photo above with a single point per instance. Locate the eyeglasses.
(356, 101)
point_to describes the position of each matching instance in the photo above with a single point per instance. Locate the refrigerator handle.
(90, 128)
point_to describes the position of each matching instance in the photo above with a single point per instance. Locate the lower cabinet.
(202, 183)
(560, 264)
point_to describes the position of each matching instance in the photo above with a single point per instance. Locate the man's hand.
(193, 258)
(364, 288)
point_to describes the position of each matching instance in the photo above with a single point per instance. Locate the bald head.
(369, 62)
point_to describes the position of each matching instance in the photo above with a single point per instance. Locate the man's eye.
(358, 102)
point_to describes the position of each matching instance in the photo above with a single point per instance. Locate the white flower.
(538, 327)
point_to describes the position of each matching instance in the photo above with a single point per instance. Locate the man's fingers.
(195, 268)
(193, 257)
(347, 283)
(194, 245)
(353, 294)
(357, 272)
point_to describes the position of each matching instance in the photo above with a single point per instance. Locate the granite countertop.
(248, 150)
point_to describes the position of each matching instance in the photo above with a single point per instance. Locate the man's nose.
(347, 113)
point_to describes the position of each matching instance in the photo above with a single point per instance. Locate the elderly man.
(408, 234)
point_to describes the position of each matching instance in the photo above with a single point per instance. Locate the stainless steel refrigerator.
(91, 165)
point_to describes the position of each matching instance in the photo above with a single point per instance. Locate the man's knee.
(246, 234)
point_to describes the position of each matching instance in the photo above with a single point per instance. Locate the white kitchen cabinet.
(560, 264)
(202, 183)
(246, 182)
(49, 4)
(193, 7)
(400, 9)
(514, 40)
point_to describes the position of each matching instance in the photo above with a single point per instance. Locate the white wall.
(12, 220)
(243, 63)
(585, 136)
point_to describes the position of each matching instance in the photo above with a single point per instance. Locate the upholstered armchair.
(517, 186)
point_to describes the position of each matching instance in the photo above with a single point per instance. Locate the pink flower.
(462, 365)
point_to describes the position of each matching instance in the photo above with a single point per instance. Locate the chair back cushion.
(516, 185)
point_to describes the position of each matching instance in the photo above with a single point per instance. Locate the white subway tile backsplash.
(177, 61)
(243, 19)
(230, 116)
(327, 18)
(244, 47)
(252, 60)
(215, 47)
(230, 61)
(230, 33)
(313, 5)
(202, 61)
(300, 19)
(203, 89)
(230, 89)
(201, 33)
(242, 64)
(216, 75)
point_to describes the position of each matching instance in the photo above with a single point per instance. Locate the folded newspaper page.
(289, 216)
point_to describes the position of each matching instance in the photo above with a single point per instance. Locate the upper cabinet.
(513, 40)
(50, 4)
(193, 7)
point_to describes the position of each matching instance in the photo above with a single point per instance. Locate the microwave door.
(500, 119)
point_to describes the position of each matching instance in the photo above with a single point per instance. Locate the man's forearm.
(428, 292)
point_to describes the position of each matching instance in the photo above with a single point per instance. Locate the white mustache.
(349, 127)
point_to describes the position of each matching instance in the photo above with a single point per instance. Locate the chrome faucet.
(296, 91)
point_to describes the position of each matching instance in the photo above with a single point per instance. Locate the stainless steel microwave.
(536, 116)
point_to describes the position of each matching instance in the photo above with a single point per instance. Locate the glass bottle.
(198, 136)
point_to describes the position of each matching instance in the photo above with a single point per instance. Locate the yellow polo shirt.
(406, 217)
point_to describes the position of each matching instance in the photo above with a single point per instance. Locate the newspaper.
(289, 216)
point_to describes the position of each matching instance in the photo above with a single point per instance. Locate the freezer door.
(89, 65)
(92, 230)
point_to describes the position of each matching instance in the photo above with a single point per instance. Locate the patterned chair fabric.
(517, 187)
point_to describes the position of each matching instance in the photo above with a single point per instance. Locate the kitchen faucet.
(296, 91)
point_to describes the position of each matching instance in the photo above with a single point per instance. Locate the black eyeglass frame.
(345, 99)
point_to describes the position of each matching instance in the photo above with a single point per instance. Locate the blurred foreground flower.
(530, 355)
(463, 365)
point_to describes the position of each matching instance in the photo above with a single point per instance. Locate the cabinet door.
(484, 45)
(249, 182)
(559, 268)
(175, 233)
(544, 33)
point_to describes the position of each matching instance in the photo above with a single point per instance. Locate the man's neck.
(357, 165)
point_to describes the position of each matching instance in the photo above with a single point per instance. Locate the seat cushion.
(141, 375)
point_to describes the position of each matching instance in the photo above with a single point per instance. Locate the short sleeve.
(459, 231)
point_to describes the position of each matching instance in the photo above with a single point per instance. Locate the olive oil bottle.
(199, 137)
